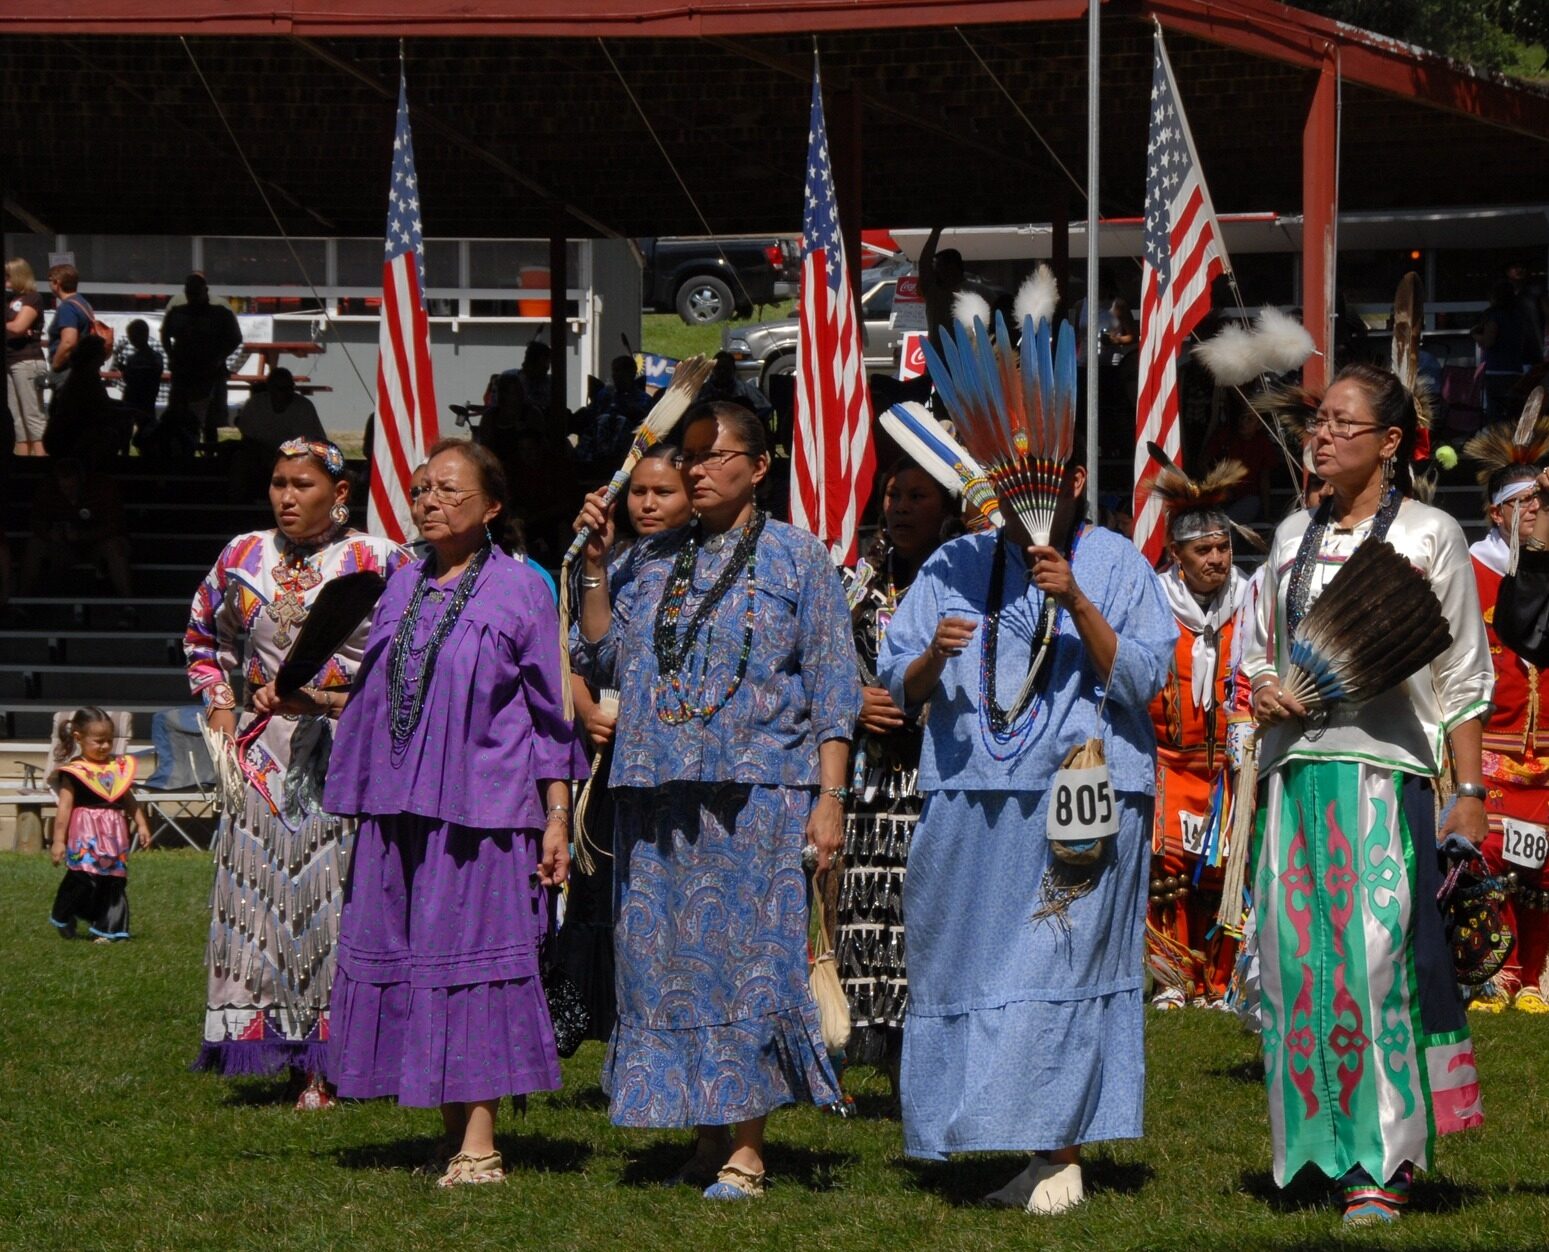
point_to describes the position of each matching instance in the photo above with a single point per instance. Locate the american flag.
(1184, 255)
(406, 422)
(832, 461)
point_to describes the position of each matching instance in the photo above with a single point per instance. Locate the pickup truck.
(709, 280)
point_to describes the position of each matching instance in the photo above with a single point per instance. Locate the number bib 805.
(1081, 806)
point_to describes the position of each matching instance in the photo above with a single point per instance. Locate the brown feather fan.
(1376, 623)
(1525, 443)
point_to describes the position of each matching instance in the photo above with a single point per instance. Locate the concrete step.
(94, 684)
(92, 647)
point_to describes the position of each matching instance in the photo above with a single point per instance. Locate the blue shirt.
(74, 313)
(959, 754)
(800, 689)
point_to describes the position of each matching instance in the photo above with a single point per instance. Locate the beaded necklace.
(402, 720)
(1299, 588)
(295, 575)
(1007, 732)
(673, 647)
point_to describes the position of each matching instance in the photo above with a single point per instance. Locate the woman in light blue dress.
(1024, 1030)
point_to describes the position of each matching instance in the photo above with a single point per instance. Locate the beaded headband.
(325, 453)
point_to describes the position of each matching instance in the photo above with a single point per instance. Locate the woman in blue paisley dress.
(738, 693)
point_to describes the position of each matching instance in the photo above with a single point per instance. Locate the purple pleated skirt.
(437, 997)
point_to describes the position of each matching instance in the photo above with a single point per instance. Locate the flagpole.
(1094, 14)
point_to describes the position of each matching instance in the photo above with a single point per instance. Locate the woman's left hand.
(554, 868)
(298, 704)
(825, 829)
(1466, 817)
(1051, 573)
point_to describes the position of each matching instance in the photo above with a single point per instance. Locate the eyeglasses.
(1340, 427)
(442, 495)
(715, 458)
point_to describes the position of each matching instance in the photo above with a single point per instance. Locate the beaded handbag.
(567, 1010)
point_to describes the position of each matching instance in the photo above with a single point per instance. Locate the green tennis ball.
(1447, 457)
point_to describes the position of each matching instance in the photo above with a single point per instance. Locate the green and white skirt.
(1367, 1055)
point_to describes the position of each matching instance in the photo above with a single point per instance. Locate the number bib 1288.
(1081, 806)
(1523, 843)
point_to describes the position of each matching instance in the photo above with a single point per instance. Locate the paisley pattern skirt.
(1367, 1054)
(716, 1021)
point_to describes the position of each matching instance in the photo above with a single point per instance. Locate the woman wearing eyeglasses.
(737, 695)
(456, 756)
(1367, 1053)
(280, 858)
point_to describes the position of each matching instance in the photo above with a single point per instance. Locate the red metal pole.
(1320, 207)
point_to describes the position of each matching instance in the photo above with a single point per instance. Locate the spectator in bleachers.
(85, 422)
(1504, 338)
(606, 425)
(274, 414)
(73, 317)
(199, 335)
(141, 365)
(77, 518)
(25, 368)
(532, 380)
(723, 384)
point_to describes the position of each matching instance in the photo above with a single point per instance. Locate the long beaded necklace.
(1299, 587)
(673, 647)
(404, 717)
(1008, 731)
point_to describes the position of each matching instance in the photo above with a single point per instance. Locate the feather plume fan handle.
(1377, 623)
(687, 380)
(927, 443)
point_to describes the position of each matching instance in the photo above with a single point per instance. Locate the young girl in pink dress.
(91, 830)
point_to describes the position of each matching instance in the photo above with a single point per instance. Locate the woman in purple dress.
(455, 754)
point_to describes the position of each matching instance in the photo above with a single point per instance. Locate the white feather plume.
(1287, 343)
(969, 305)
(1231, 355)
(1039, 296)
(1276, 344)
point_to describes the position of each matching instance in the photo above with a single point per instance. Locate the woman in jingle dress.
(882, 812)
(656, 500)
(737, 696)
(1367, 1055)
(456, 756)
(280, 860)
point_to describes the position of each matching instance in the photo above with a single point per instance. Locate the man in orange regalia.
(1516, 743)
(1190, 957)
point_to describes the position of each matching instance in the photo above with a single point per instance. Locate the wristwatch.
(1474, 791)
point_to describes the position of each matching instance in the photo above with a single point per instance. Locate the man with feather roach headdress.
(1510, 457)
(1026, 1013)
(1370, 672)
(1191, 957)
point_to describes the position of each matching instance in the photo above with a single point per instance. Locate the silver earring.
(1387, 473)
(489, 539)
(340, 514)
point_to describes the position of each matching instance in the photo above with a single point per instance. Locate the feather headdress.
(1376, 623)
(1194, 508)
(1015, 410)
(1524, 443)
(929, 446)
(1276, 344)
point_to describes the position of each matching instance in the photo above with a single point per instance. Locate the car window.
(879, 304)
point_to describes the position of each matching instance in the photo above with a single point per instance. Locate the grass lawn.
(111, 1143)
(666, 334)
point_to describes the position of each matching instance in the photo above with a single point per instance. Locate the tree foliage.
(1505, 35)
